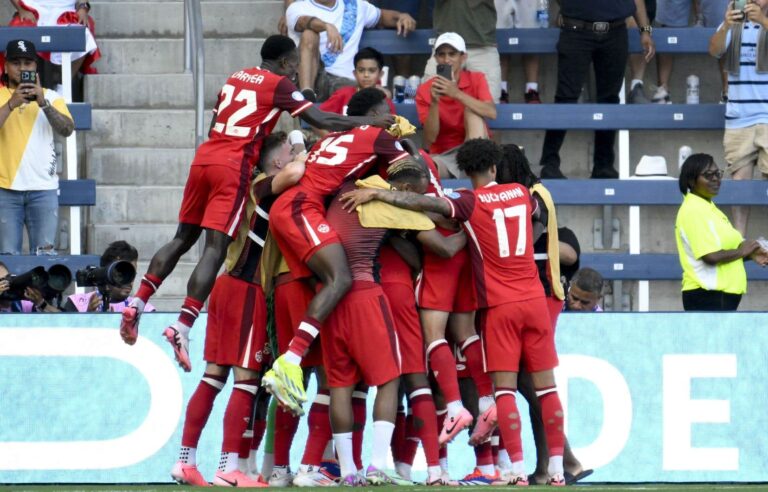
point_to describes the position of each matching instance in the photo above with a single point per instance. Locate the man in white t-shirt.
(329, 31)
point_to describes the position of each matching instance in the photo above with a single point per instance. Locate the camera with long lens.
(51, 283)
(117, 274)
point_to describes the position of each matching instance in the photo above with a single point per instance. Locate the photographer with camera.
(113, 281)
(29, 117)
(33, 301)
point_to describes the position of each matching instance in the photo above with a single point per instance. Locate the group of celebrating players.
(332, 241)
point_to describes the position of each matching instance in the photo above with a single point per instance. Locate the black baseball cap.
(20, 48)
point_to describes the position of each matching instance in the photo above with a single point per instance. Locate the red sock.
(473, 351)
(359, 412)
(443, 365)
(410, 442)
(509, 422)
(285, 428)
(319, 423)
(483, 454)
(199, 408)
(304, 336)
(425, 424)
(398, 436)
(495, 446)
(238, 413)
(148, 286)
(552, 417)
(441, 415)
(190, 310)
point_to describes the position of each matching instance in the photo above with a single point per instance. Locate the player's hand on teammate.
(351, 199)
(383, 120)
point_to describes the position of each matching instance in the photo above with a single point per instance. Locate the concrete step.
(136, 205)
(139, 166)
(146, 238)
(163, 56)
(154, 19)
(155, 91)
(142, 128)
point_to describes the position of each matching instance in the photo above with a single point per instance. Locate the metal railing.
(194, 61)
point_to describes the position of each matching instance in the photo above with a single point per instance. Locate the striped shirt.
(747, 92)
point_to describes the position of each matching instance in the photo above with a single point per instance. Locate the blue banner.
(649, 397)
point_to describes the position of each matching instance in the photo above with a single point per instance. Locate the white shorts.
(515, 14)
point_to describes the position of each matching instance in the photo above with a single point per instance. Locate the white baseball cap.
(452, 39)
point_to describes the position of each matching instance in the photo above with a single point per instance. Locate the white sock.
(485, 402)
(304, 468)
(138, 304)
(531, 86)
(242, 464)
(182, 328)
(518, 467)
(504, 462)
(454, 407)
(555, 466)
(382, 437)
(343, 443)
(434, 472)
(634, 83)
(267, 463)
(253, 467)
(444, 464)
(486, 469)
(228, 462)
(503, 85)
(328, 454)
(404, 469)
(292, 358)
(188, 456)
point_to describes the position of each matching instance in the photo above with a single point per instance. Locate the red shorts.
(408, 326)
(555, 307)
(359, 340)
(214, 198)
(297, 222)
(291, 300)
(446, 284)
(236, 334)
(518, 331)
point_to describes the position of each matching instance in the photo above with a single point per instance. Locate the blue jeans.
(39, 210)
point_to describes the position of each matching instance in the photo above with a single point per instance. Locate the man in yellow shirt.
(29, 117)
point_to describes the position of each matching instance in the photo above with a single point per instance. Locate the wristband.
(296, 137)
(42, 305)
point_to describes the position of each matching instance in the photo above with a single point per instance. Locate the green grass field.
(586, 487)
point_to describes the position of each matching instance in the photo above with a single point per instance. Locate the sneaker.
(661, 96)
(281, 476)
(556, 480)
(332, 468)
(637, 95)
(235, 479)
(353, 480)
(454, 425)
(374, 476)
(314, 476)
(532, 97)
(504, 97)
(129, 324)
(605, 173)
(188, 475)
(724, 97)
(180, 343)
(442, 481)
(479, 478)
(486, 424)
(520, 480)
(270, 382)
(551, 172)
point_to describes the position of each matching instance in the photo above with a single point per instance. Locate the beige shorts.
(515, 14)
(446, 163)
(746, 147)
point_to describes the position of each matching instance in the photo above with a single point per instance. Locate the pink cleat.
(188, 475)
(180, 343)
(129, 324)
(485, 426)
(236, 479)
(454, 425)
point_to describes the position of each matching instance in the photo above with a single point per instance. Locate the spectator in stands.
(118, 297)
(711, 251)
(637, 63)
(29, 117)
(585, 291)
(518, 14)
(328, 33)
(475, 22)
(34, 302)
(368, 65)
(61, 12)
(453, 110)
(593, 31)
(746, 115)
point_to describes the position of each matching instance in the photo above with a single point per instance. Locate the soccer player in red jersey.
(216, 191)
(309, 244)
(236, 333)
(512, 305)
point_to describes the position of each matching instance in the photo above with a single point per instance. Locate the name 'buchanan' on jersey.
(348, 155)
(247, 110)
(497, 219)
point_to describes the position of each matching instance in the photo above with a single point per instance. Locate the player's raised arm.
(443, 246)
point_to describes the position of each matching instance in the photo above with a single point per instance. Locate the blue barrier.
(51, 38)
(651, 397)
(81, 114)
(23, 263)
(77, 192)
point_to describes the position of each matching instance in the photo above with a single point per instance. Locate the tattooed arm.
(402, 199)
(62, 124)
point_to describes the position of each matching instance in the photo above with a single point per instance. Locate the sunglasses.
(711, 175)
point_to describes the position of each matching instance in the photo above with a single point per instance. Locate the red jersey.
(247, 110)
(339, 101)
(393, 267)
(348, 155)
(497, 219)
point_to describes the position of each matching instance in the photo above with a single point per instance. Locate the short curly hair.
(514, 167)
(364, 100)
(478, 155)
(276, 47)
